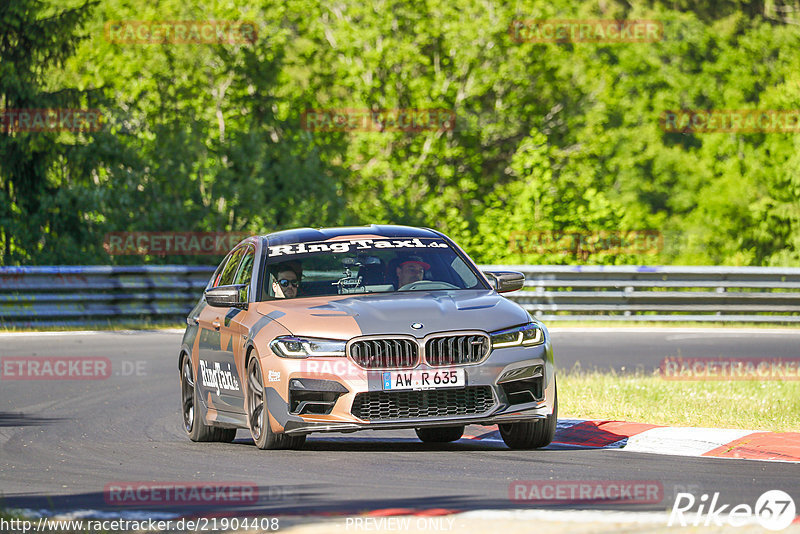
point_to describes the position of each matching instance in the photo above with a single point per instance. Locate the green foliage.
(548, 137)
(41, 174)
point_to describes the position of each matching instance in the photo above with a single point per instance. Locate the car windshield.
(378, 265)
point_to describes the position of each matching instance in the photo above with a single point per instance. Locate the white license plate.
(424, 379)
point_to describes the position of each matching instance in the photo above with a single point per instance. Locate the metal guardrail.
(668, 293)
(53, 296)
(65, 296)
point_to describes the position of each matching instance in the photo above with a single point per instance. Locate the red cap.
(415, 259)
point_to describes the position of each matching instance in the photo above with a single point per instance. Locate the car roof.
(304, 235)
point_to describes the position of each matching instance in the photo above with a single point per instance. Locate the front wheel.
(193, 422)
(442, 434)
(258, 417)
(531, 434)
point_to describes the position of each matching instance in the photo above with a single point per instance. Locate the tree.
(35, 207)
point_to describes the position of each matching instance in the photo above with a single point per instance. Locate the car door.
(233, 334)
(217, 374)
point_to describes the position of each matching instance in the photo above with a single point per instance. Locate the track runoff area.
(109, 447)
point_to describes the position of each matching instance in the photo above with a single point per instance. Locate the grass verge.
(771, 405)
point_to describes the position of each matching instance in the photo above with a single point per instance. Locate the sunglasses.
(286, 283)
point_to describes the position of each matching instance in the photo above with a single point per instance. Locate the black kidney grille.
(390, 405)
(456, 350)
(385, 353)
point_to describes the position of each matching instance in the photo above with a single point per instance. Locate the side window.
(228, 273)
(218, 272)
(245, 272)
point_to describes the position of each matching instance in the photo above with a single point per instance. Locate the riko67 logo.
(773, 510)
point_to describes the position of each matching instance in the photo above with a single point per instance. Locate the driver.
(411, 269)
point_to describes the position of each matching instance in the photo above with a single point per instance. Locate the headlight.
(520, 336)
(303, 347)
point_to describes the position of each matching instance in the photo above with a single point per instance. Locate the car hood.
(343, 317)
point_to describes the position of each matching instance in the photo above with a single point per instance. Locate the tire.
(257, 413)
(531, 434)
(193, 422)
(442, 434)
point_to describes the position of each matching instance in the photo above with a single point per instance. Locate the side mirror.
(233, 296)
(505, 281)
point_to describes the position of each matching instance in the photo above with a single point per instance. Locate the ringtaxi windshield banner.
(353, 245)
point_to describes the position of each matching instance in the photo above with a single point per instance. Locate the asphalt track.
(63, 441)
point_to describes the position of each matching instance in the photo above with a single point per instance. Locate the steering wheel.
(427, 284)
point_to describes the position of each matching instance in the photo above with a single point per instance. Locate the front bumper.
(343, 381)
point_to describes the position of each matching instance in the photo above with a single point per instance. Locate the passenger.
(287, 276)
